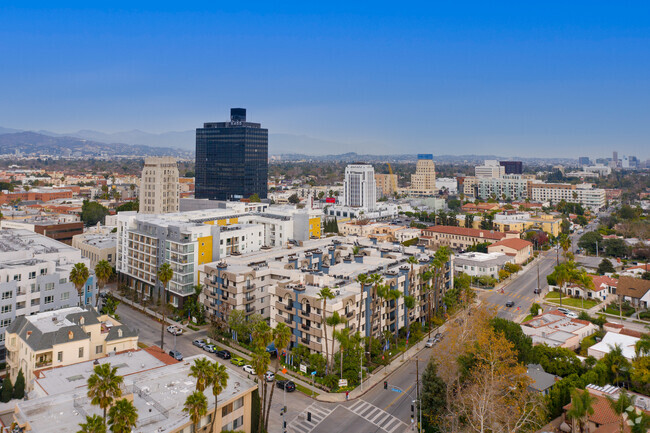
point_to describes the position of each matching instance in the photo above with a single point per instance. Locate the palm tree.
(123, 416)
(93, 424)
(409, 303)
(196, 405)
(281, 339)
(563, 276)
(202, 372)
(104, 272)
(565, 244)
(620, 406)
(638, 421)
(394, 295)
(165, 274)
(218, 380)
(642, 347)
(581, 407)
(615, 362)
(375, 280)
(104, 386)
(333, 321)
(79, 275)
(260, 362)
(362, 279)
(584, 281)
(324, 295)
(262, 335)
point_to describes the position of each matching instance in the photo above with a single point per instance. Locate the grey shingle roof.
(541, 379)
(114, 334)
(38, 340)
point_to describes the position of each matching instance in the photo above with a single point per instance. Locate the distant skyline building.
(423, 181)
(386, 184)
(584, 160)
(232, 159)
(512, 167)
(359, 189)
(159, 186)
(490, 168)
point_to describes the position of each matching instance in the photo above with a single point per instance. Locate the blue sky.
(543, 79)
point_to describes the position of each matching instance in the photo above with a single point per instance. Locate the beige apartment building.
(96, 245)
(159, 186)
(461, 238)
(386, 184)
(423, 181)
(63, 337)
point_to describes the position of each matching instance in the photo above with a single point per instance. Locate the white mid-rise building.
(35, 277)
(159, 186)
(359, 190)
(490, 168)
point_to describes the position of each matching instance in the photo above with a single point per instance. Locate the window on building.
(6, 309)
(32, 275)
(48, 299)
(65, 296)
(99, 349)
(59, 356)
(17, 277)
(81, 352)
(226, 409)
(49, 286)
(7, 295)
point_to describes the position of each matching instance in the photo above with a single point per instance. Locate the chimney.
(70, 335)
(29, 334)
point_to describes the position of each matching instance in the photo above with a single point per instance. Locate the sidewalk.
(146, 310)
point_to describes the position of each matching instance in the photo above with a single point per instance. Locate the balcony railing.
(350, 314)
(249, 299)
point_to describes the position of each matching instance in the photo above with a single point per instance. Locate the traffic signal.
(385, 385)
(412, 408)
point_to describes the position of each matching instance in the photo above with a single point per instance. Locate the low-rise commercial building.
(519, 249)
(556, 330)
(481, 264)
(35, 277)
(60, 229)
(62, 337)
(97, 244)
(461, 238)
(156, 385)
(612, 339)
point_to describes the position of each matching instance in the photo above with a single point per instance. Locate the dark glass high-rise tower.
(232, 159)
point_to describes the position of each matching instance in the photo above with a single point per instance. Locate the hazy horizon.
(545, 80)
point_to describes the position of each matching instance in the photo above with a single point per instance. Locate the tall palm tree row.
(324, 295)
(333, 321)
(260, 360)
(165, 275)
(207, 374)
(103, 272)
(375, 280)
(281, 339)
(79, 274)
(218, 381)
(362, 279)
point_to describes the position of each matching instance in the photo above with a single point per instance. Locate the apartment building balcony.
(249, 310)
(12, 358)
(44, 360)
(249, 299)
(283, 307)
(309, 316)
(284, 319)
(250, 287)
(230, 301)
(350, 315)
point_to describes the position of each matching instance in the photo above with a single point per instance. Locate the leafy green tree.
(294, 199)
(433, 397)
(165, 274)
(133, 205)
(605, 266)
(560, 395)
(19, 386)
(122, 417)
(617, 365)
(581, 407)
(93, 213)
(254, 198)
(93, 424)
(589, 240)
(79, 274)
(615, 248)
(558, 360)
(523, 344)
(196, 405)
(620, 406)
(7, 389)
(104, 386)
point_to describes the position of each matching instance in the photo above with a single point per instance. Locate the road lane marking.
(402, 394)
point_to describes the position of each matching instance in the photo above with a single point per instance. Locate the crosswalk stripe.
(381, 418)
(356, 404)
(377, 416)
(318, 415)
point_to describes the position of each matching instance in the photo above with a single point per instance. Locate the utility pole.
(417, 390)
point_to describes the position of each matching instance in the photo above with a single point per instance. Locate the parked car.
(223, 354)
(199, 343)
(210, 348)
(287, 385)
(249, 369)
(174, 330)
(269, 376)
(178, 356)
(567, 313)
(430, 342)
(510, 304)
(537, 290)
(563, 310)
(237, 361)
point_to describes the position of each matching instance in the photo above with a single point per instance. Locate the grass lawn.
(613, 309)
(299, 387)
(527, 318)
(554, 297)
